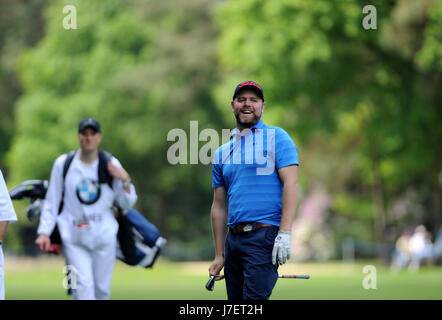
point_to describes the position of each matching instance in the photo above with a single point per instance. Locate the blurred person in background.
(7, 215)
(438, 247)
(402, 253)
(421, 248)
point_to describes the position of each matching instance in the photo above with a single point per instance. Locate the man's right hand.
(43, 242)
(216, 267)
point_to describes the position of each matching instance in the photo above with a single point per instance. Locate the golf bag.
(139, 242)
(35, 190)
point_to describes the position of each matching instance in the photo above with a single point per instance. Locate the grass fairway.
(42, 278)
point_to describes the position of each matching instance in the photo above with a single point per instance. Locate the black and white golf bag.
(139, 242)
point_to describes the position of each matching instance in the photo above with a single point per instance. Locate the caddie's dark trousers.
(248, 268)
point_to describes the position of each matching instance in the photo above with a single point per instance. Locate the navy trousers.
(248, 269)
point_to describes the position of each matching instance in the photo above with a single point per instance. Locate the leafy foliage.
(363, 106)
(139, 72)
(369, 97)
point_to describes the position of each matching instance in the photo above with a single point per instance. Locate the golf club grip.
(211, 283)
(294, 276)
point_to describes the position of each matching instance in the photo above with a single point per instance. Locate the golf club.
(210, 285)
(294, 276)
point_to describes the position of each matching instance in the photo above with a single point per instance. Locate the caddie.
(86, 223)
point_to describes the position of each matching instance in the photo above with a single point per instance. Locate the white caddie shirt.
(98, 213)
(7, 212)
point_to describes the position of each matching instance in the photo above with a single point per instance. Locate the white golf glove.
(281, 248)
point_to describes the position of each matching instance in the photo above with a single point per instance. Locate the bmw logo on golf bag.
(88, 191)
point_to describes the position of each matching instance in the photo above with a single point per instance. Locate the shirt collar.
(77, 163)
(236, 132)
(259, 125)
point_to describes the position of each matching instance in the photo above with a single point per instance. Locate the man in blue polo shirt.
(255, 191)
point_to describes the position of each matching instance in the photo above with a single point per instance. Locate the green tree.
(141, 68)
(371, 97)
(21, 24)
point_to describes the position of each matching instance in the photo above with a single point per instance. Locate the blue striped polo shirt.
(246, 167)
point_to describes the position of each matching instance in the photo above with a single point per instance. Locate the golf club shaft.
(294, 276)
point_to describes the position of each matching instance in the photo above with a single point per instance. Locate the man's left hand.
(281, 248)
(117, 172)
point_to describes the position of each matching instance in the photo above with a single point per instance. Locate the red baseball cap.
(249, 85)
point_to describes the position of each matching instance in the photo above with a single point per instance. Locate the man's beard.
(248, 123)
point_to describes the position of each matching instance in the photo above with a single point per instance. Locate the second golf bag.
(139, 240)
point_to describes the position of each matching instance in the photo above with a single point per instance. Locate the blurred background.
(363, 107)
